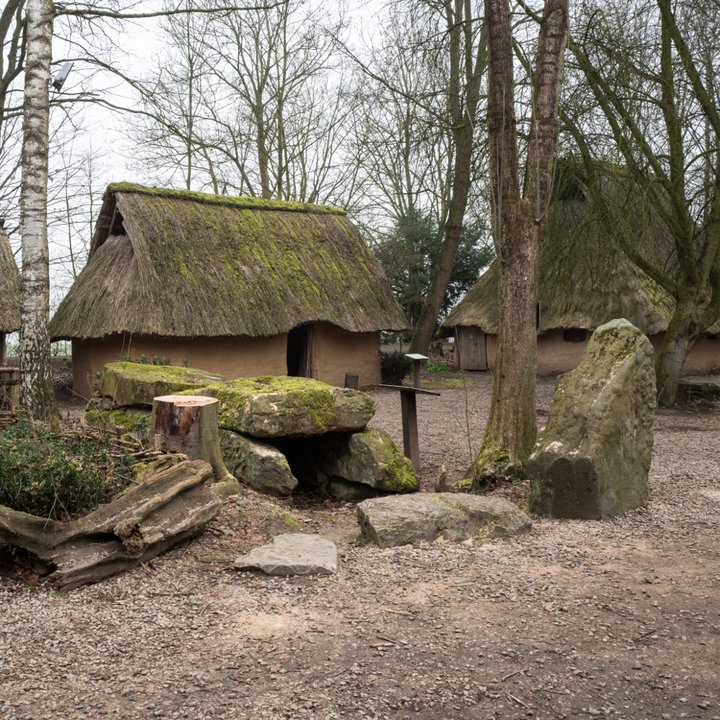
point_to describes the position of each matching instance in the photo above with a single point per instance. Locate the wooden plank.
(402, 388)
(411, 446)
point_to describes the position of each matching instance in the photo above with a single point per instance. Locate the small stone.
(256, 464)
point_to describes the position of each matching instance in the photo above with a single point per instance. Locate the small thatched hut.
(584, 281)
(237, 286)
(9, 293)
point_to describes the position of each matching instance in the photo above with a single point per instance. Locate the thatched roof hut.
(176, 264)
(9, 292)
(585, 280)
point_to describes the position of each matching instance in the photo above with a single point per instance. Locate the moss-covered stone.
(593, 458)
(392, 521)
(256, 464)
(354, 466)
(270, 406)
(136, 384)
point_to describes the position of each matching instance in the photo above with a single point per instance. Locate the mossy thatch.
(9, 287)
(184, 264)
(585, 279)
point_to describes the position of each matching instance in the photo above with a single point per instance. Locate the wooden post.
(352, 381)
(10, 378)
(189, 424)
(411, 445)
(418, 360)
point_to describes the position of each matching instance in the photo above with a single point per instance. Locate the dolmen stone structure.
(275, 432)
(592, 459)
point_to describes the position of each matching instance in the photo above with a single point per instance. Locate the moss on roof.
(185, 264)
(9, 287)
(248, 203)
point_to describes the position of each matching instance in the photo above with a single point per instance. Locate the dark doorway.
(298, 352)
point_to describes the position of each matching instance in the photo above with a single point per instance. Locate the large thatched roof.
(175, 263)
(9, 287)
(584, 278)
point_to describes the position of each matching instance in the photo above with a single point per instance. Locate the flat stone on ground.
(406, 519)
(292, 554)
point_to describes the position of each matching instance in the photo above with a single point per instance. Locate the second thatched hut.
(584, 281)
(9, 293)
(238, 286)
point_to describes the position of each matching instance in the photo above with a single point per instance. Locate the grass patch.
(59, 476)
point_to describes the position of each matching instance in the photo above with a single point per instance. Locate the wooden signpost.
(408, 408)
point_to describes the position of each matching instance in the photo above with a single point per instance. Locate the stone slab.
(406, 519)
(292, 554)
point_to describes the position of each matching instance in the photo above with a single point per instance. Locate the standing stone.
(593, 458)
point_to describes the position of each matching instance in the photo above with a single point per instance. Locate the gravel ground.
(617, 619)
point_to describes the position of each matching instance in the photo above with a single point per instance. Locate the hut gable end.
(9, 287)
(204, 265)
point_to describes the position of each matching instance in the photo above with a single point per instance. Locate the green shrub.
(58, 476)
(394, 367)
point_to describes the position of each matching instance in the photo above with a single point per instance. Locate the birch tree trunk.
(38, 396)
(519, 229)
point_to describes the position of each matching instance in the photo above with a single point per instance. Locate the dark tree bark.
(467, 67)
(519, 228)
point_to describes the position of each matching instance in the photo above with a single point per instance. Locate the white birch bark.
(38, 395)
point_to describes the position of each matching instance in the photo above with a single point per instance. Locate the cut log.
(188, 424)
(168, 506)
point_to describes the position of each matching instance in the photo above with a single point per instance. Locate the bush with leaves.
(58, 476)
(394, 367)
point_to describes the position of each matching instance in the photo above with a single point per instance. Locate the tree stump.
(188, 424)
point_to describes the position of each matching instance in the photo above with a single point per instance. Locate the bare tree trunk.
(467, 66)
(519, 228)
(425, 329)
(683, 330)
(38, 396)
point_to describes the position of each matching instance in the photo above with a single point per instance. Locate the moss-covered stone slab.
(128, 383)
(355, 466)
(593, 458)
(272, 407)
(257, 464)
(407, 519)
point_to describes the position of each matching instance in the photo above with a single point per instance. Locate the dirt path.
(577, 619)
